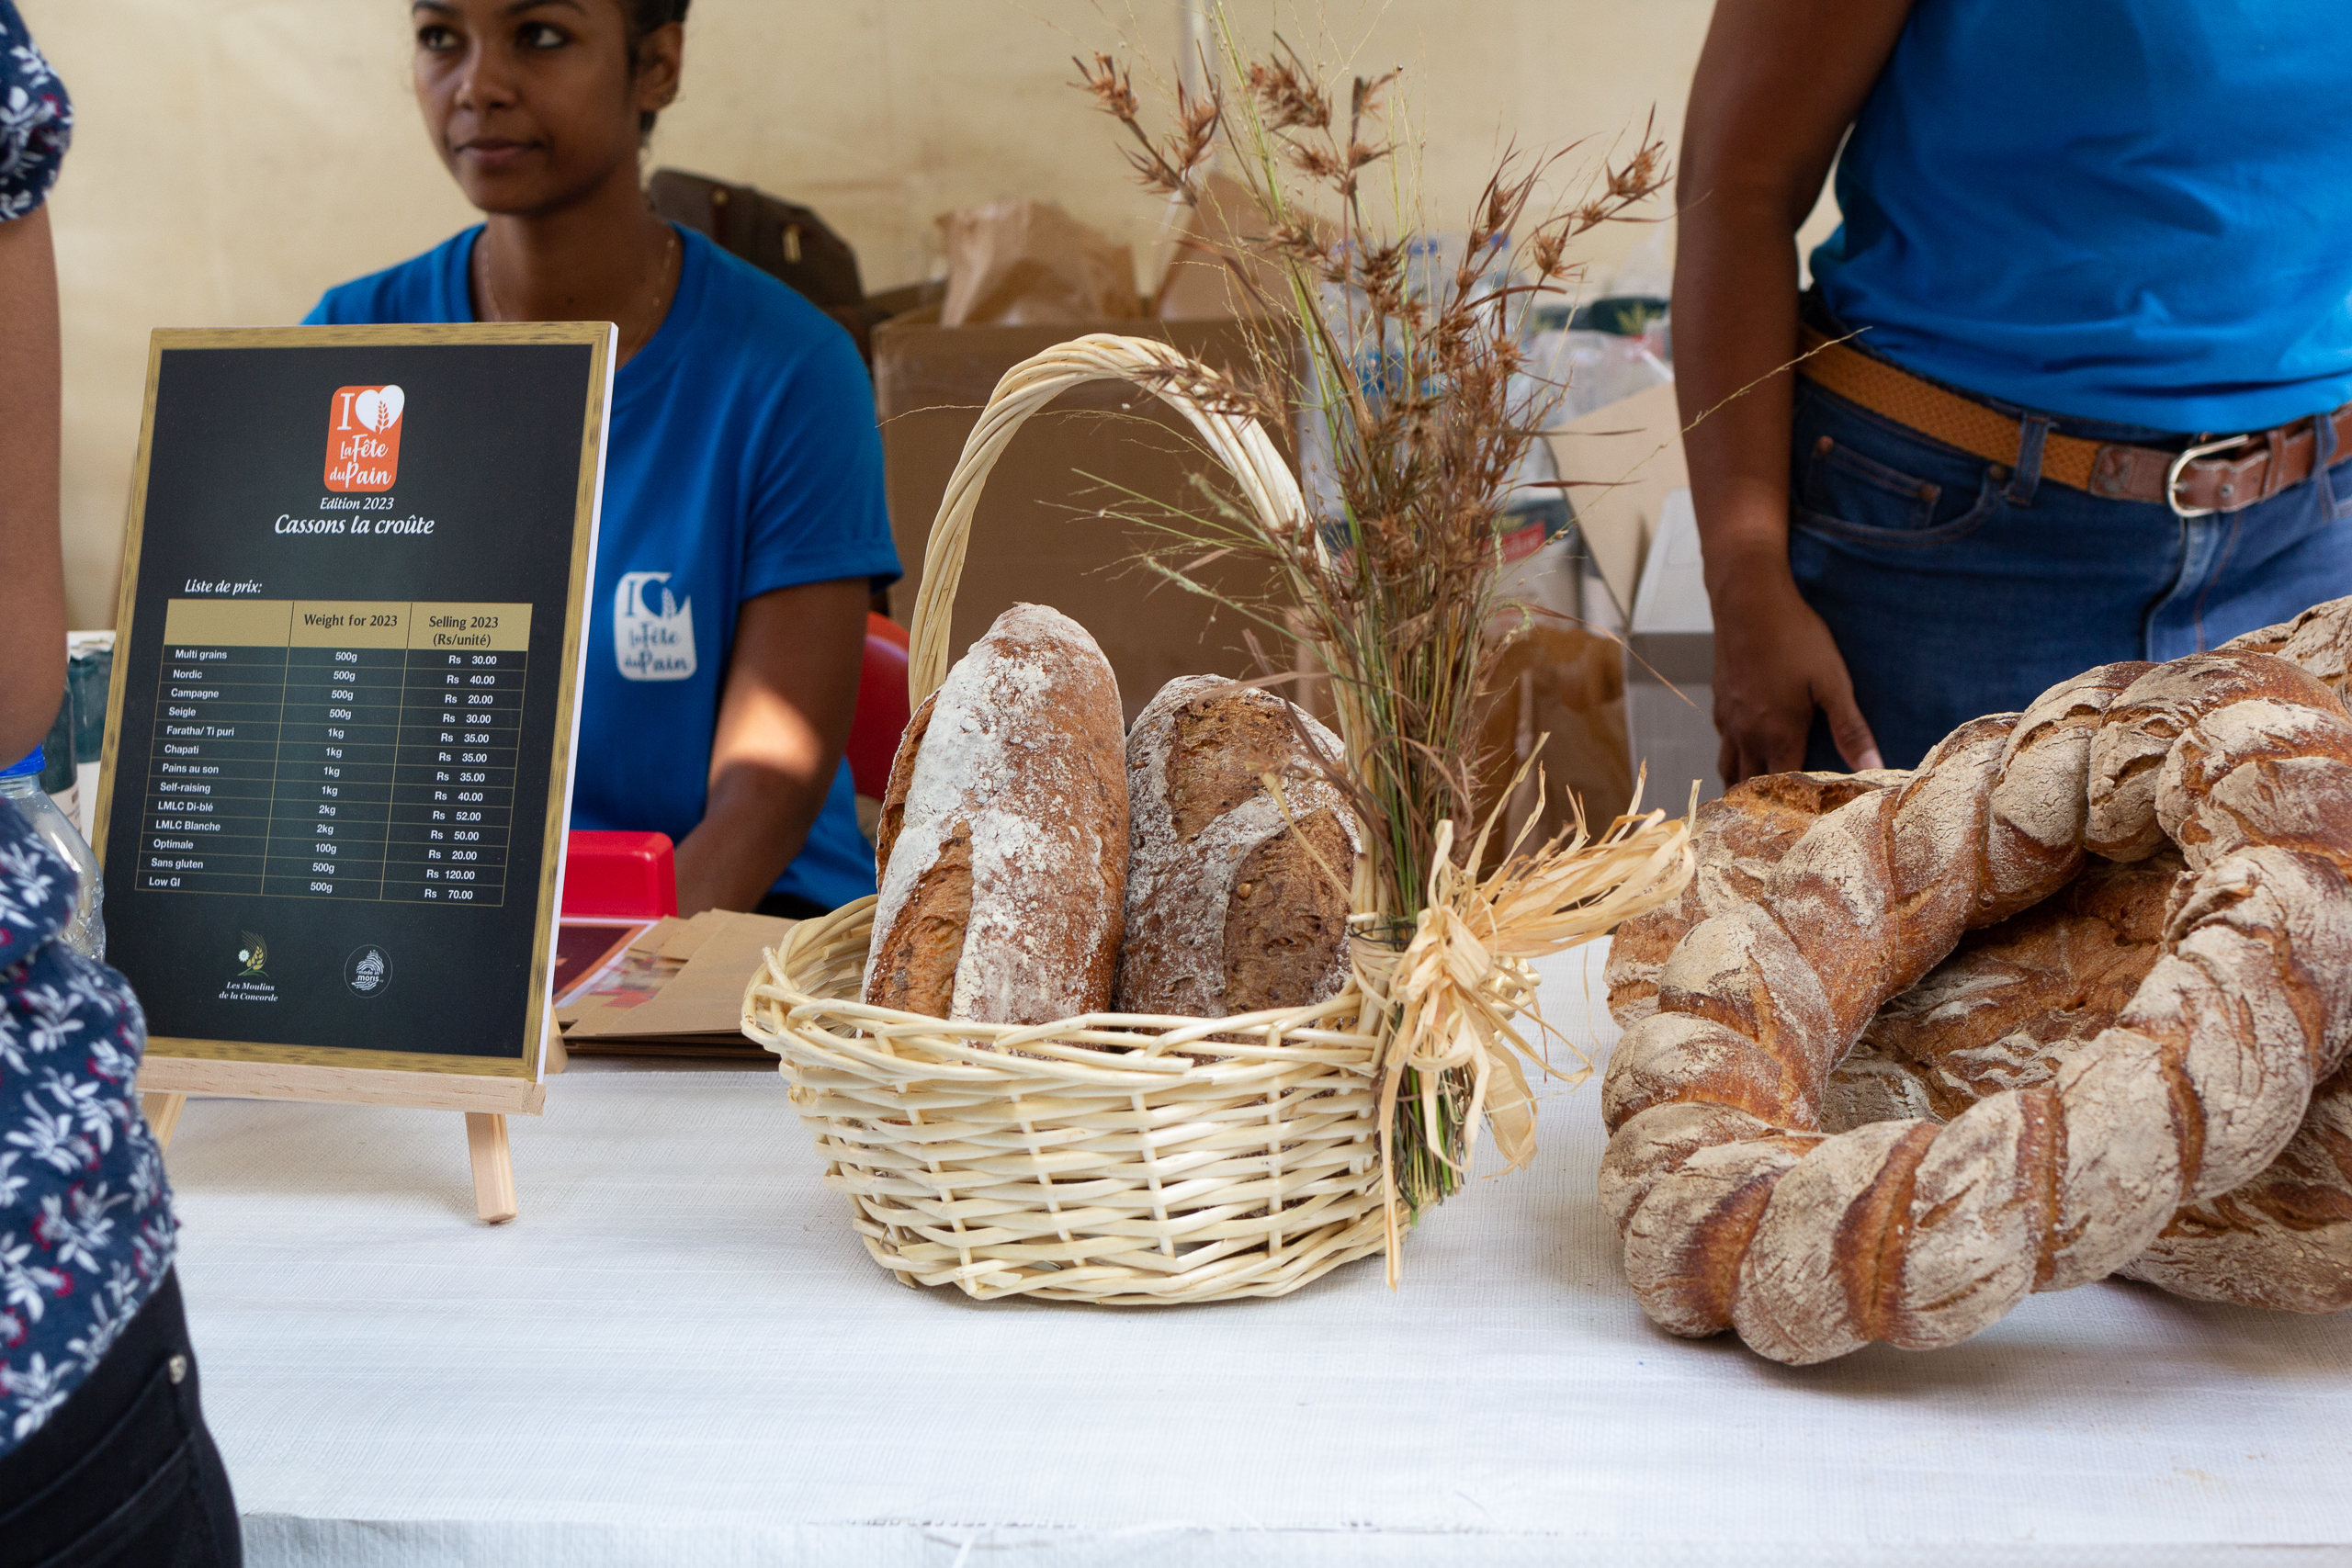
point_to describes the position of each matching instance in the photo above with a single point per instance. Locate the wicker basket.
(1121, 1159)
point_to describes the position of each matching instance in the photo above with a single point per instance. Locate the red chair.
(882, 706)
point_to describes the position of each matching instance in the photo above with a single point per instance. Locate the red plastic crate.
(619, 876)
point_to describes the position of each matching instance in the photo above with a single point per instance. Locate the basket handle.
(1155, 366)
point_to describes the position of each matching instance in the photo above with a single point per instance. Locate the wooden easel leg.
(163, 1114)
(493, 1167)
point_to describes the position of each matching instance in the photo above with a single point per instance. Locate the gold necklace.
(631, 344)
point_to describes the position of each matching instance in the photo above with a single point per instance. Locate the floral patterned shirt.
(85, 1216)
(36, 119)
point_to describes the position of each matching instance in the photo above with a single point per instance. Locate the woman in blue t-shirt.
(743, 528)
(2092, 403)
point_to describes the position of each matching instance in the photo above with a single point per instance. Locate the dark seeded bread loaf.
(1004, 834)
(1233, 906)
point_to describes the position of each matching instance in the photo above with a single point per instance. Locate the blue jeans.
(1956, 587)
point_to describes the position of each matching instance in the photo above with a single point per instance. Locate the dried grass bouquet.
(1404, 356)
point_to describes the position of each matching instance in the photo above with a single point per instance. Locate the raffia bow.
(1464, 981)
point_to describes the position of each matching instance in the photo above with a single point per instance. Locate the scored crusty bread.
(2318, 641)
(1235, 900)
(894, 793)
(2283, 1240)
(1005, 834)
(2015, 1003)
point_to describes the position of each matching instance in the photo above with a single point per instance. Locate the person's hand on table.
(784, 718)
(1775, 664)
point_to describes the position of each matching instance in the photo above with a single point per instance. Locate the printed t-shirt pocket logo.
(363, 437)
(652, 645)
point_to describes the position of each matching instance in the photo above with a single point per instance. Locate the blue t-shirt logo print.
(652, 645)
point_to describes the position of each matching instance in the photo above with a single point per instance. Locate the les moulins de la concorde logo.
(251, 983)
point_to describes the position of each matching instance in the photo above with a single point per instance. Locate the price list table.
(336, 749)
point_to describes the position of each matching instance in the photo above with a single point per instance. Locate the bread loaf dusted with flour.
(1004, 834)
(894, 791)
(1235, 900)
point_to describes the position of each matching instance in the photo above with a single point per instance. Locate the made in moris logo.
(363, 437)
(367, 971)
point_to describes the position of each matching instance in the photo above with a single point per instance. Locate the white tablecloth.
(679, 1353)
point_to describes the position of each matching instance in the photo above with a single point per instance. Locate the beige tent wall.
(235, 157)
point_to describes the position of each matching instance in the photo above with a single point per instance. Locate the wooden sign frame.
(487, 1088)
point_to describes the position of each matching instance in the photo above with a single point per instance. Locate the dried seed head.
(1549, 255)
(1314, 162)
(1114, 89)
(1365, 98)
(1286, 96)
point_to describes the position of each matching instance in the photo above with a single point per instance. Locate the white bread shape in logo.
(648, 644)
(379, 410)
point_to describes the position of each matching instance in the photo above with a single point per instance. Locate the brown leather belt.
(2196, 482)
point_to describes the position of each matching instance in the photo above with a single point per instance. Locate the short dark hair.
(643, 17)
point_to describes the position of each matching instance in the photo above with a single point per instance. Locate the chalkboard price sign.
(339, 745)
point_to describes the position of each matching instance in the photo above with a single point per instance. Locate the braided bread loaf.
(2006, 1010)
(2318, 642)
(2013, 1000)
(1736, 839)
(1739, 1211)
(2284, 1239)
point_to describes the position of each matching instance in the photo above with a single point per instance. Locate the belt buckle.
(2181, 465)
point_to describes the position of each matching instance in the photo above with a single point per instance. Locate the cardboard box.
(1040, 534)
(1670, 664)
(1213, 252)
(1623, 461)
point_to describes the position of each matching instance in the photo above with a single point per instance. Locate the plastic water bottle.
(85, 933)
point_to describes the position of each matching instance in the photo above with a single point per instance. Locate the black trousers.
(124, 1476)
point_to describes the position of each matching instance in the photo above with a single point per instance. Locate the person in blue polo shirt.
(743, 526)
(2076, 373)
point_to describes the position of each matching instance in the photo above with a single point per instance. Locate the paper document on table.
(680, 989)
